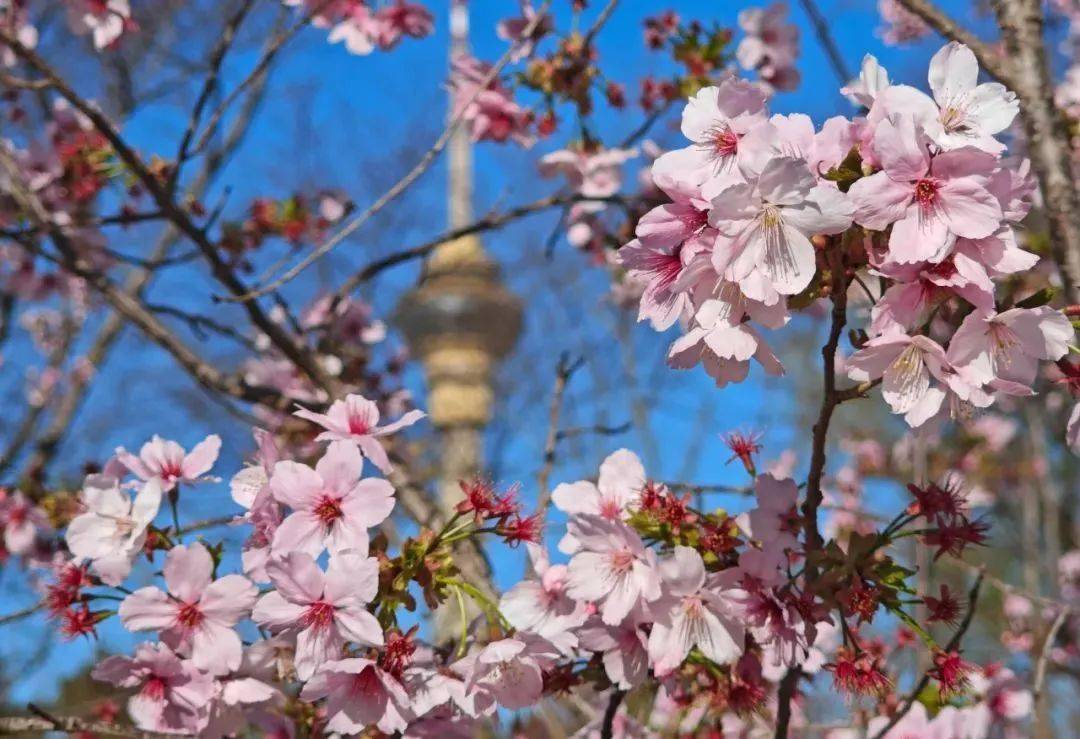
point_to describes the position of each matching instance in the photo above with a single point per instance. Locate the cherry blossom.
(715, 120)
(324, 611)
(172, 694)
(542, 606)
(356, 419)
(771, 46)
(906, 365)
(509, 672)
(971, 114)
(332, 507)
(704, 614)
(621, 478)
(21, 522)
(1004, 349)
(112, 530)
(166, 462)
(104, 20)
(358, 694)
(198, 613)
(766, 225)
(928, 200)
(612, 567)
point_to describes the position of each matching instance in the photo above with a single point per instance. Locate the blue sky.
(332, 119)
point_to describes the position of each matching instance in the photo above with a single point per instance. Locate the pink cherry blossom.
(105, 20)
(165, 461)
(724, 349)
(766, 225)
(513, 30)
(906, 365)
(241, 693)
(542, 606)
(333, 508)
(172, 696)
(112, 530)
(623, 649)
(324, 611)
(359, 694)
(901, 25)
(776, 517)
(509, 672)
(198, 613)
(356, 419)
(715, 120)
(971, 114)
(401, 18)
(492, 113)
(928, 200)
(702, 613)
(771, 46)
(21, 522)
(872, 79)
(612, 567)
(1004, 349)
(621, 478)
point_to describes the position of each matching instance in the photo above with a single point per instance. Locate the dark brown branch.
(607, 729)
(831, 398)
(21, 614)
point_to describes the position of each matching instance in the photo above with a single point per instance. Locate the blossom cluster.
(767, 213)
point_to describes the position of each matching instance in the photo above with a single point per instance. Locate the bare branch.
(563, 373)
(828, 43)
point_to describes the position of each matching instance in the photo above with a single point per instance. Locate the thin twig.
(828, 43)
(563, 372)
(20, 615)
(1044, 658)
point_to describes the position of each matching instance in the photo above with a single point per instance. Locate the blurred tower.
(460, 319)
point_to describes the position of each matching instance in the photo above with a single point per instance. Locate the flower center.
(725, 142)
(622, 560)
(609, 508)
(154, 689)
(358, 426)
(319, 614)
(926, 192)
(189, 616)
(328, 510)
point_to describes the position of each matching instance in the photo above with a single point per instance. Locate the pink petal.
(216, 648)
(148, 609)
(297, 577)
(340, 466)
(296, 485)
(188, 570)
(300, 532)
(200, 459)
(229, 599)
(275, 613)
